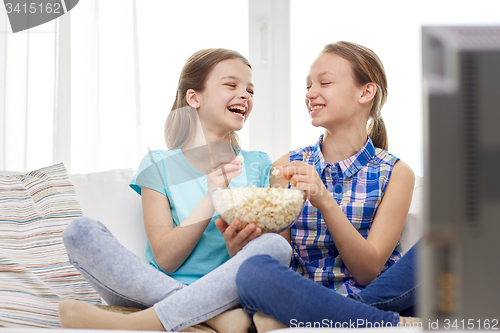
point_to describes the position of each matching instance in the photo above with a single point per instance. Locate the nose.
(245, 95)
(312, 93)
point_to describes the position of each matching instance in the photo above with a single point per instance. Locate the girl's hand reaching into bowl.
(305, 177)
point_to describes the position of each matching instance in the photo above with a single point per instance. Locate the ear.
(368, 92)
(192, 98)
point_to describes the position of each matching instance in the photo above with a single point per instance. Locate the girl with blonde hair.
(193, 262)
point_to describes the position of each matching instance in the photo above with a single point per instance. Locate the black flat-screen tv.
(460, 252)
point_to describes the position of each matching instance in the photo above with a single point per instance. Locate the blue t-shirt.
(170, 173)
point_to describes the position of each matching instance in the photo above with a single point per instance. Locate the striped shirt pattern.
(35, 274)
(358, 185)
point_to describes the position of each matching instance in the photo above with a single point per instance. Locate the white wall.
(391, 28)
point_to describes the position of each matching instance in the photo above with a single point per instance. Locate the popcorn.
(271, 209)
(275, 171)
(241, 158)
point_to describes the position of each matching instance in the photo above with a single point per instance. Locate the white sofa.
(106, 196)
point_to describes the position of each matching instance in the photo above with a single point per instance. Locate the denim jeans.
(299, 302)
(122, 278)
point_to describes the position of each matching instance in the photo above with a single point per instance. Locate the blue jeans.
(122, 278)
(296, 301)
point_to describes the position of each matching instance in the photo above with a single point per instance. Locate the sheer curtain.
(70, 90)
(27, 88)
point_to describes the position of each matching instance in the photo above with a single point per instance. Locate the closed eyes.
(323, 84)
(232, 85)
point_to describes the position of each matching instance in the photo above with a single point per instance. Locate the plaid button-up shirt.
(358, 185)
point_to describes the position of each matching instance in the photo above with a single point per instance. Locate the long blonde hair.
(181, 122)
(367, 67)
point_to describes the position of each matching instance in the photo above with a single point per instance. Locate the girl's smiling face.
(226, 101)
(332, 93)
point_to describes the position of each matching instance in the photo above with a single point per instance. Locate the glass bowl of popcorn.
(271, 209)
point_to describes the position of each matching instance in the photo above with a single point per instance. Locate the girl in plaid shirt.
(358, 194)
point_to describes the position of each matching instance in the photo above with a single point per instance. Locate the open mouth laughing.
(238, 109)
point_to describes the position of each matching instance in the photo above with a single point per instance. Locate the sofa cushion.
(35, 274)
(106, 196)
(413, 229)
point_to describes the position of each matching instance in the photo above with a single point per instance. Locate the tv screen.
(460, 252)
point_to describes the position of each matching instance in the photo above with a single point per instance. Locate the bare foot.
(79, 314)
(232, 321)
(265, 323)
(410, 322)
